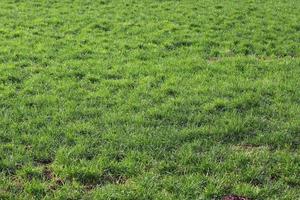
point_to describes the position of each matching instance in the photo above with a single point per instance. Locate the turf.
(149, 99)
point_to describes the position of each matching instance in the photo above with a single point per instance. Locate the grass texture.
(149, 99)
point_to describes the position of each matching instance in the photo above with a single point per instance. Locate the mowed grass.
(149, 99)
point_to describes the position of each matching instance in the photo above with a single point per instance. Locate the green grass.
(149, 99)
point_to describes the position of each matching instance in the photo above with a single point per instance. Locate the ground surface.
(149, 99)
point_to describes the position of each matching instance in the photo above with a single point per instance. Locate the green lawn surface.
(149, 99)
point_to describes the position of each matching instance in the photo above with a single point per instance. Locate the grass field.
(149, 99)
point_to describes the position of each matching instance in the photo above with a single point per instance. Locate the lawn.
(149, 99)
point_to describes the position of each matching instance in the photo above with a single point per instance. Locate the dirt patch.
(109, 176)
(48, 174)
(106, 179)
(44, 161)
(235, 197)
(58, 182)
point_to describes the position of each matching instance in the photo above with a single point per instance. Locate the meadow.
(149, 99)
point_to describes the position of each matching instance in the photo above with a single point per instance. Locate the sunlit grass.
(149, 99)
